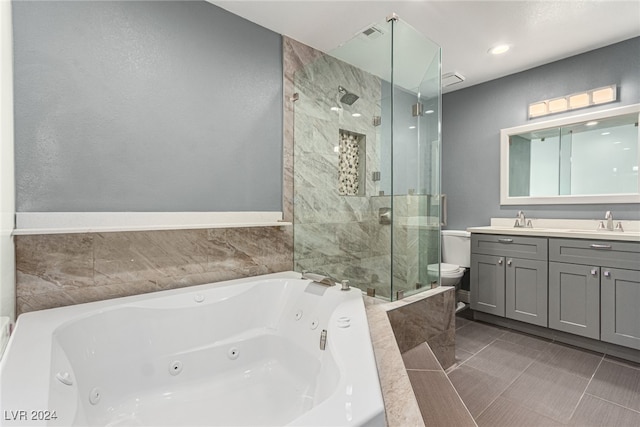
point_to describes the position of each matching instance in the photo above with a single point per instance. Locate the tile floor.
(510, 379)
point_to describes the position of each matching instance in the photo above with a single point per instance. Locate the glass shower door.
(415, 109)
(366, 162)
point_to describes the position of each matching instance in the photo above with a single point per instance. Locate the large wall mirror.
(590, 158)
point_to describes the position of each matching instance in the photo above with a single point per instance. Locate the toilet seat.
(447, 270)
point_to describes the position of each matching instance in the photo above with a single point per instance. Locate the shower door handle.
(443, 209)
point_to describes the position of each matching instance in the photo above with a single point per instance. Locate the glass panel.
(416, 158)
(366, 162)
(338, 164)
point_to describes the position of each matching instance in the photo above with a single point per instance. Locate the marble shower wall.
(56, 270)
(333, 233)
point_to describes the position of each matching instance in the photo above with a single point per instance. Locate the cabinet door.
(620, 298)
(574, 299)
(487, 284)
(526, 291)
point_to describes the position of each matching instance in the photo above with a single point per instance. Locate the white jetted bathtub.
(242, 352)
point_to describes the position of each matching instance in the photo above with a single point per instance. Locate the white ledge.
(98, 222)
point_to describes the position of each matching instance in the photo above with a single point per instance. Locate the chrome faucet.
(609, 217)
(319, 279)
(521, 221)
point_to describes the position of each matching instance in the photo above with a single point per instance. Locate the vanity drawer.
(513, 246)
(604, 253)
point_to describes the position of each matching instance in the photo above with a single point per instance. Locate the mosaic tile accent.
(349, 167)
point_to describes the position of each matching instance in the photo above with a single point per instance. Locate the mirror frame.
(505, 199)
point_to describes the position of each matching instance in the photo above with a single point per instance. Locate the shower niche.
(351, 163)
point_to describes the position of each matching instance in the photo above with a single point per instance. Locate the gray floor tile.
(574, 360)
(421, 357)
(462, 356)
(438, 401)
(504, 413)
(475, 336)
(548, 391)
(503, 360)
(529, 341)
(619, 361)
(476, 388)
(597, 412)
(617, 383)
(461, 321)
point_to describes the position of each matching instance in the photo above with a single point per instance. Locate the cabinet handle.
(594, 271)
(509, 262)
(500, 260)
(595, 246)
(505, 240)
(607, 273)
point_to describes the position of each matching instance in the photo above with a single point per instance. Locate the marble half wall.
(426, 318)
(55, 270)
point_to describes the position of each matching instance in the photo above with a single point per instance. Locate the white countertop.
(567, 228)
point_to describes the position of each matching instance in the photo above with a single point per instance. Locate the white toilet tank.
(456, 247)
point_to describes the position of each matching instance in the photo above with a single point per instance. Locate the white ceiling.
(539, 32)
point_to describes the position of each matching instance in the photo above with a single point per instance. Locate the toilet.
(456, 257)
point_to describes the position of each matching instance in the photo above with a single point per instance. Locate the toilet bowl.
(450, 274)
(456, 257)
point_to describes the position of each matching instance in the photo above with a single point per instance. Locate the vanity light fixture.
(589, 98)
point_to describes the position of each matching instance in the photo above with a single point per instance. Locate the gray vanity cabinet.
(509, 277)
(620, 299)
(574, 299)
(594, 289)
(487, 283)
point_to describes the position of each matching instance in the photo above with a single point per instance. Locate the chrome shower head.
(347, 97)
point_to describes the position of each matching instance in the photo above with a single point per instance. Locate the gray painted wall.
(145, 106)
(472, 119)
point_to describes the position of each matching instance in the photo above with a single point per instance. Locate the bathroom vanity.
(562, 276)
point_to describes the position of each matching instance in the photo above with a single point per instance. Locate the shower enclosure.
(367, 203)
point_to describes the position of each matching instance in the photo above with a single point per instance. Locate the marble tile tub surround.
(416, 390)
(427, 317)
(56, 270)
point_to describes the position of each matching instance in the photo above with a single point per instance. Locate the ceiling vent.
(450, 79)
(372, 32)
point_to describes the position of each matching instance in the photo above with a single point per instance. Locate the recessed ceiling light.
(412, 127)
(356, 115)
(499, 49)
(335, 108)
(605, 133)
(429, 112)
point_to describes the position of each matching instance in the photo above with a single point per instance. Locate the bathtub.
(242, 352)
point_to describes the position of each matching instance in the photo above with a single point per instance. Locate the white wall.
(7, 203)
